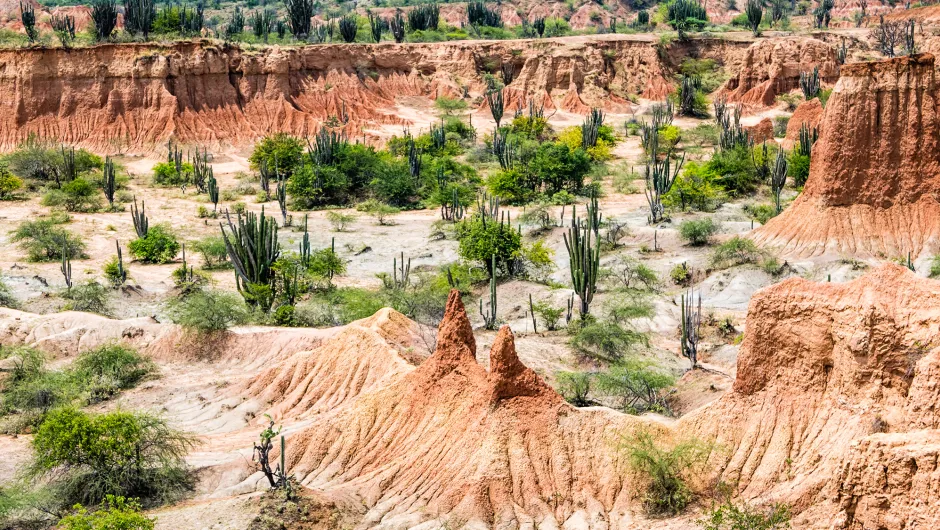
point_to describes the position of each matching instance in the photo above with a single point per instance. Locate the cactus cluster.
(104, 15)
(539, 25)
(326, 146)
(348, 27)
(590, 129)
(425, 17)
(809, 83)
(299, 14)
(689, 86)
(141, 223)
(139, 16)
(504, 147)
(660, 176)
(109, 181)
(376, 27)
(690, 330)
(439, 135)
(236, 25)
(64, 28)
(807, 138)
(452, 209)
(396, 25)
(778, 177)
(584, 254)
(480, 15)
(489, 316)
(494, 99)
(28, 18)
(253, 248)
(731, 133)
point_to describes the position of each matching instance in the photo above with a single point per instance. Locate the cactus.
(28, 18)
(539, 25)
(480, 15)
(139, 16)
(69, 168)
(754, 12)
(348, 26)
(504, 147)
(452, 210)
(489, 317)
(305, 245)
(439, 136)
(594, 215)
(281, 194)
(731, 134)
(842, 52)
(684, 15)
(326, 146)
(236, 25)
(778, 177)
(689, 86)
(110, 183)
(910, 47)
(192, 20)
(414, 158)
(201, 170)
(809, 83)
(396, 25)
(121, 273)
(66, 266)
(320, 32)
(141, 224)
(488, 207)
(642, 19)
(104, 17)
(376, 25)
(591, 127)
(64, 28)
(494, 98)
(535, 325)
(299, 13)
(253, 248)
(761, 162)
(213, 189)
(509, 72)
(806, 139)
(401, 273)
(265, 176)
(691, 321)
(423, 18)
(910, 264)
(569, 312)
(584, 261)
(659, 180)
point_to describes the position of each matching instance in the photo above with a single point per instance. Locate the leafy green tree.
(479, 241)
(44, 240)
(9, 183)
(560, 167)
(209, 310)
(280, 150)
(636, 385)
(115, 513)
(159, 246)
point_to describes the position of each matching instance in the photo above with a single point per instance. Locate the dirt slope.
(872, 188)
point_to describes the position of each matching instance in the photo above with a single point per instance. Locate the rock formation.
(809, 113)
(834, 407)
(875, 171)
(762, 131)
(134, 97)
(771, 67)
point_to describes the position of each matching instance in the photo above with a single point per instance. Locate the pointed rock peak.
(455, 340)
(503, 359)
(509, 377)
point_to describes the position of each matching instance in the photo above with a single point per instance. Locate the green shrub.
(735, 170)
(606, 341)
(115, 513)
(208, 310)
(165, 174)
(479, 242)
(78, 195)
(511, 186)
(6, 295)
(112, 272)
(628, 273)
(761, 212)
(667, 470)
(735, 251)
(680, 274)
(729, 516)
(697, 187)
(239, 208)
(44, 241)
(89, 457)
(340, 221)
(559, 167)
(279, 150)
(709, 70)
(326, 263)
(549, 314)
(934, 267)
(698, 232)
(159, 246)
(108, 369)
(798, 168)
(780, 126)
(636, 385)
(9, 183)
(537, 261)
(40, 161)
(450, 106)
(378, 210)
(89, 297)
(213, 251)
(574, 387)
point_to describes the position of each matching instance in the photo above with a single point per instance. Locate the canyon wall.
(135, 97)
(875, 170)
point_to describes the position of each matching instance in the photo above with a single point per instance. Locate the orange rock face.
(771, 67)
(763, 131)
(809, 112)
(875, 169)
(135, 97)
(823, 370)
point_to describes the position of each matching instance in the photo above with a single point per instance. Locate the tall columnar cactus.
(590, 129)
(265, 175)
(66, 266)
(425, 17)
(809, 83)
(201, 170)
(488, 207)
(659, 180)
(376, 25)
(396, 25)
(509, 72)
(731, 133)
(760, 159)
(480, 15)
(842, 52)
(594, 215)
(141, 224)
(109, 181)
(689, 85)
(539, 25)
(262, 22)
(28, 18)
(489, 316)
(139, 16)
(213, 188)
(348, 27)
(64, 28)
(253, 248)
(121, 272)
(691, 322)
(104, 17)
(326, 146)
(778, 177)
(305, 248)
(452, 210)
(299, 13)
(69, 167)
(910, 46)
(584, 261)
(494, 98)
(414, 158)
(401, 273)
(439, 135)
(282, 200)
(807, 138)
(236, 25)
(754, 12)
(504, 147)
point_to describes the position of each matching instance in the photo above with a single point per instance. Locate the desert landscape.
(517, 265)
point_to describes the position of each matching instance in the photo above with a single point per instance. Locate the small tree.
(277, 477)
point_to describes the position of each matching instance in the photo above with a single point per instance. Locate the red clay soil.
(875, 171)
(762, 131)
(133, 98)
(809, 113)
(771, 67)
(835, 406)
